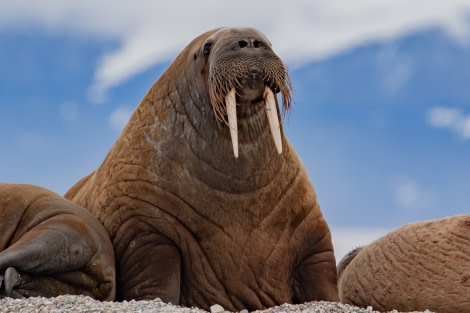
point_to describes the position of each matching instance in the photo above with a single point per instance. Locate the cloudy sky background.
(381, 117)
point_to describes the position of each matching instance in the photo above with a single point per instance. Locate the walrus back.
(419, 266)
(71, 194)
(346, 260)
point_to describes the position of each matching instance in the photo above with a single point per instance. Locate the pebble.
(217, 308)
(82, 304)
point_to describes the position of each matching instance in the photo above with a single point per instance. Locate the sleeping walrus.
(420, 266)
(202, 195)
(51, 246)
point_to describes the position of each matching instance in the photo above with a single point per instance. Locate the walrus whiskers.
(227, 81)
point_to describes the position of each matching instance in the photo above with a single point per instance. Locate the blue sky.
(381, 114)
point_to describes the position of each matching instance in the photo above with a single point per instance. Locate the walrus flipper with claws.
(203, 197)
(51, 246)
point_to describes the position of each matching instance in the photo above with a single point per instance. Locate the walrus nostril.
(250, 43)
(242, 43)
(257, 43)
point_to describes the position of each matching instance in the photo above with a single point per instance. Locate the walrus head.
(244, 75)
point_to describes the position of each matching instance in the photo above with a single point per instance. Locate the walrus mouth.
(271, 113)
(237, 77)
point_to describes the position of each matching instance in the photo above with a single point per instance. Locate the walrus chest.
(237, 249)
(240, 269)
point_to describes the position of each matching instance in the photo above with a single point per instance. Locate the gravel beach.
(81, 304)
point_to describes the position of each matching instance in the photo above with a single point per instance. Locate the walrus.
(205, 200)
(51, 246)
(424, 265)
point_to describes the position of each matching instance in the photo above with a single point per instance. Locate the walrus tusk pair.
(271, 113)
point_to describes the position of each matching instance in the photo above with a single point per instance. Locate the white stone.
(217, 308)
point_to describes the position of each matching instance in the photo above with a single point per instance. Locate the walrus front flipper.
(149, 264)
(51, 246)
(315, 276)
(11, 279)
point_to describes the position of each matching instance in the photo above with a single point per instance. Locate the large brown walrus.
(424, 265)
(51, 246)
(202, 195)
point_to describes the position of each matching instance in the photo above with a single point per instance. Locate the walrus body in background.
(420, 266)
(202, 195)
(51, 246)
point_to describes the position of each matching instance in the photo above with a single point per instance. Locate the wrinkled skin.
(51, 246)
(420, 266)
(190, 223)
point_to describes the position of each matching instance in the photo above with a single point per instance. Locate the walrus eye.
(206, 50)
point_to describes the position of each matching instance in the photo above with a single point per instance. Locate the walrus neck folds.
(196, 138)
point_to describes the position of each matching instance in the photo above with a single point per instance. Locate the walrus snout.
(245, 71)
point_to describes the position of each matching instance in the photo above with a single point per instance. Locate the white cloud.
(413, 197)
(396, 68)
(443, 117)
(450, 118)
(69, 111)
(407, 194)
(464, 127)
(119, 118)
(153, 31)
(346, 239)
